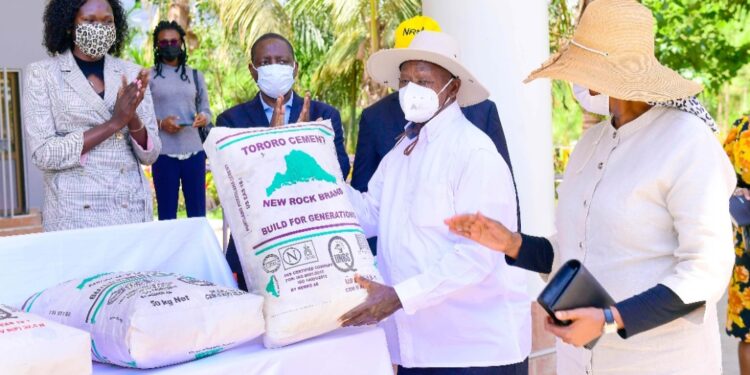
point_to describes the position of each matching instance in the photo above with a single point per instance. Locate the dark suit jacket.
(251, 114)
(382, 122)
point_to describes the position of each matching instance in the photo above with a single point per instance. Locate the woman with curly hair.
(89, 119)
(182, 109)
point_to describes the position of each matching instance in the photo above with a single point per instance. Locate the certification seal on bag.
(271, 263)
(341, 254)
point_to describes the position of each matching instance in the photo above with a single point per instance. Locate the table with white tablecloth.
(35, 262)
(350, 351)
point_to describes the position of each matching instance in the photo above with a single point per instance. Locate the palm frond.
(252, 18)
(392, 13)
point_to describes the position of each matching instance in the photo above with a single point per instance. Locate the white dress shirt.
(463, 306)
(643, 205)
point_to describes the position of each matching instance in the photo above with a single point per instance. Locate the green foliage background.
(708, 41)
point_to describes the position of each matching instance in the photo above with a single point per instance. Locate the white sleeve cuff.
(409, 293)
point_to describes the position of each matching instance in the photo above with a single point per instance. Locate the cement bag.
(152, 319)
(299, 241)
(30, 345)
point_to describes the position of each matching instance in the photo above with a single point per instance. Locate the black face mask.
(170, 53)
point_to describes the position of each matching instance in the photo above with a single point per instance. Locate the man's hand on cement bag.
(381, 302)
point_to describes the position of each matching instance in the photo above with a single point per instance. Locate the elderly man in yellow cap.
(454, 307)
(382, 122)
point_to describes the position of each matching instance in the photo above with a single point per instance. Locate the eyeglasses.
(169, 42)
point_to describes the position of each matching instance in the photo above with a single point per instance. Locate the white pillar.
(501, 42)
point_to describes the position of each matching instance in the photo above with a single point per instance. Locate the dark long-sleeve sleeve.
(221, 120)
(650, 309)
(536, 254)
(339, 142)
(366, 158)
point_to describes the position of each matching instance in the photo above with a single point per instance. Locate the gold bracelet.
(139, 129)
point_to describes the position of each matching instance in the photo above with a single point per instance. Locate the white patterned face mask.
(95, 39)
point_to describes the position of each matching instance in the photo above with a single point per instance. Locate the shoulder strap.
(197, 91)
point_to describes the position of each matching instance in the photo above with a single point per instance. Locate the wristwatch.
(610, 326)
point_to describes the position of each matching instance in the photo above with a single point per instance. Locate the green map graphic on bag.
(300, 167)
(298, 238)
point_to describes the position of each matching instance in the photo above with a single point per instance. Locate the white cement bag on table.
(152, 319)
(299, 241)
(30, 345)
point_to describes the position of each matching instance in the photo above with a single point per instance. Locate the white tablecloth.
(352, 351)
(34, 262)
(31, 263)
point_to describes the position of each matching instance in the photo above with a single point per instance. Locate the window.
(12, 173)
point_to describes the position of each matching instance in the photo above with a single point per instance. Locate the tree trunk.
(351, 136)
(374, 30)
(179, 11)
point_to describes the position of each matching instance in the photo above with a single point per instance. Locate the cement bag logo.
(300, 167)
(299, 254)
(271, 263)
(341, 254)
(194, 281)
(5, 314)
(115, 296)
(272, 287)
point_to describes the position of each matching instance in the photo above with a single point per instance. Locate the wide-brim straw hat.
(435, 47)
(612, 52)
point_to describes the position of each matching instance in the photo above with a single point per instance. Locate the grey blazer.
(106, 186)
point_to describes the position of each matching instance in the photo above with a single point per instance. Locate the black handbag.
(202, 131)
(573, 287)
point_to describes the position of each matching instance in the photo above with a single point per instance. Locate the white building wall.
(502, 41)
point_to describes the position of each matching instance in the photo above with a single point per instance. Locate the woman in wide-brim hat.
(643, 205)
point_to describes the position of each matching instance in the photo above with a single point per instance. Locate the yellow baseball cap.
(406, 31)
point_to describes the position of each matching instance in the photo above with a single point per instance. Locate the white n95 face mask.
(276, 79)
(598, 104)
(419, 103)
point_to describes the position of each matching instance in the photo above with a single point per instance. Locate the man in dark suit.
(274, 68)
(382, 123)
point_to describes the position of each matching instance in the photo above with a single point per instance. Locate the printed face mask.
(95, 39)
(598, 104)
(419, 103)
(276, 79)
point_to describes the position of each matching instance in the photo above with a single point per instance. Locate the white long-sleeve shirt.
(462, 304)
(643, 205)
